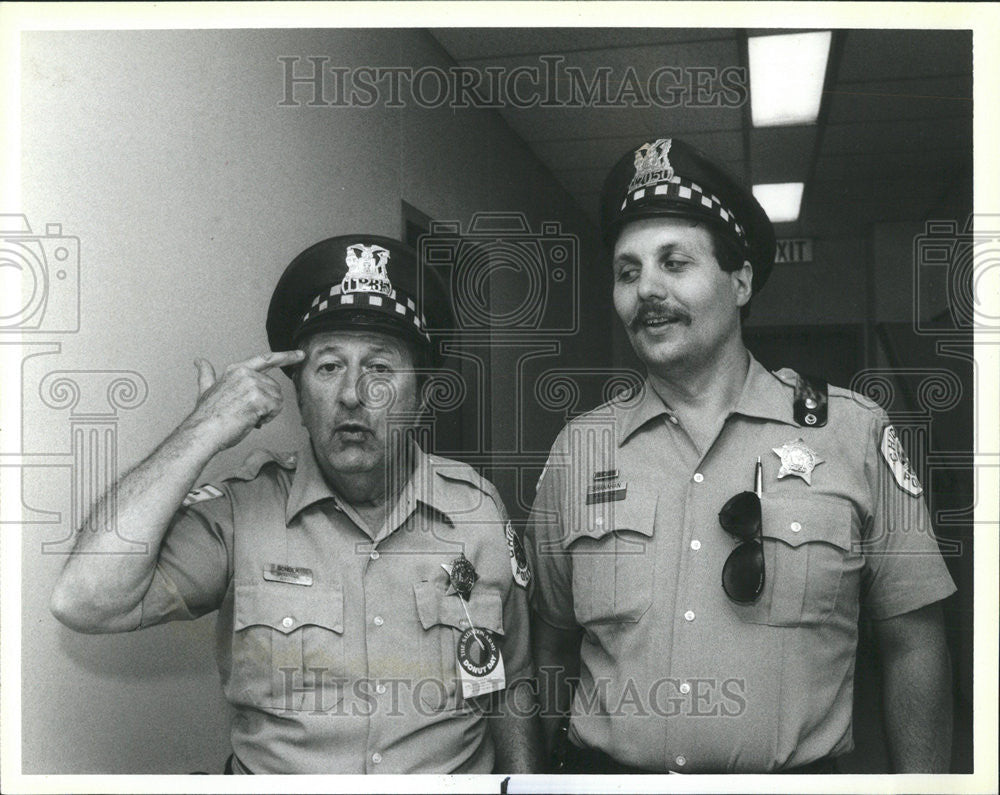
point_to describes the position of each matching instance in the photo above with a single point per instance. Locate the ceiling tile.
(880, 54)
(468, 44)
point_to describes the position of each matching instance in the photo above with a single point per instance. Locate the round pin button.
(685, 687)
(380, 688)
(681, 761)
(378, 621)
(689, 615)
(796, 527)
(599, 521)
(698, 477)
(377, 758)
(287, 621)
(463, 622)
(695, 544)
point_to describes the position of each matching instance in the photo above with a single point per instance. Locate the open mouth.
(352, 429)
(658, 322)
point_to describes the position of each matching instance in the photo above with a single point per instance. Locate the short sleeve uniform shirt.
(336, 648)
(625, 542)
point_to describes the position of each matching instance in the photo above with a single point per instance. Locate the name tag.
(293, 575)
(612, 493)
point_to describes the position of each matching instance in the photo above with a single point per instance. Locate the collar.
(309, 486)
(763, 395)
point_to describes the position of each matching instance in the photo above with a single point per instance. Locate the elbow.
(74, 611)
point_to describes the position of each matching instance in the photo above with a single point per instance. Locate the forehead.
(650, 234)
(357, 343)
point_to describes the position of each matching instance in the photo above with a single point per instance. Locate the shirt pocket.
(288, 645)
(807, 553)
(613, 564)
(443, 620)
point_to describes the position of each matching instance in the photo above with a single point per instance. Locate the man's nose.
(650, 286)
(349, 392)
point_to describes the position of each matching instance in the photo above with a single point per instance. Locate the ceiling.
(893, 141)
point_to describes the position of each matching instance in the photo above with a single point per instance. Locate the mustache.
(646, 312)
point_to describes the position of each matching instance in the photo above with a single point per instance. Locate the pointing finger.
(206, 375)
(277, 359)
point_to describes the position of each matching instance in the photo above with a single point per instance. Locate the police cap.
(358, 282)
(669, 177)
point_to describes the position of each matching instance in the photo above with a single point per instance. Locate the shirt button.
(695, 544)
(689, 615)
(673, 419)
(377, 758)
(378, 621)
(698, 477)
(685, 687)
(681, 761)
(380, 688)
(599, 521)
(796, 527)
(287, 621)
(375, 554)
(463, 622)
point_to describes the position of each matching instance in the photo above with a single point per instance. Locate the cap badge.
(366, 272)
(652, 164)
(797, 459)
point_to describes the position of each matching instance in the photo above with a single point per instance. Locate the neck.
(374, 487)
(709, 385)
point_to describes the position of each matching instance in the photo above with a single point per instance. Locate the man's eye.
(379, 367)
(328, 367)
(627, 275)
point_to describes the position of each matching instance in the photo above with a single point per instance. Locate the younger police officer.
(366, 590)
(709, 604)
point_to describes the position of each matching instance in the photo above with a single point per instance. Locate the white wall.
(190, 190)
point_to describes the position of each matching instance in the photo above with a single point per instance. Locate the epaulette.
(811, 400)
(258, 459)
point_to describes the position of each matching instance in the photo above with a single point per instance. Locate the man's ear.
(743, 283)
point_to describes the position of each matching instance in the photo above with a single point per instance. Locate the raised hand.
(243, 398)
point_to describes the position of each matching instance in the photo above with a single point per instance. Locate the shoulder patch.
(204, 492)
(894, 455)
(258, 459)
(518, 560)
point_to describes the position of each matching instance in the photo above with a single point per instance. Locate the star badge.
(797, 459)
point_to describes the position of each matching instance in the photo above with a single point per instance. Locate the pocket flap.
(436, 607)
(636, 514)
(802, 521)
(286, 608)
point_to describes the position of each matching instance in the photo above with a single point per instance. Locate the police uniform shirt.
(675, 675)
(338, 650)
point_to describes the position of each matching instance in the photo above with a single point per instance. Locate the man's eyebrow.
(665, 250)
(333, 347)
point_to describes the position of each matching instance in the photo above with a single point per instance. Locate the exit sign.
(799, 249)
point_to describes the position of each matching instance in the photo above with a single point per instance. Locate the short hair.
(730, 257)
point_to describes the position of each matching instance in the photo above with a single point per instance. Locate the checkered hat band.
(679, 189)
(396, 305)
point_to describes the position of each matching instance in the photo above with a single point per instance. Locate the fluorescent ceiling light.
(781, 201)
(786, 77)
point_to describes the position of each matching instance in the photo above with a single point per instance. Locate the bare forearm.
(515, 730)
(115, 552)
(917, 692)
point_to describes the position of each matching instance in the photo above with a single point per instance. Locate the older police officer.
(709, 603)
(370, 617)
